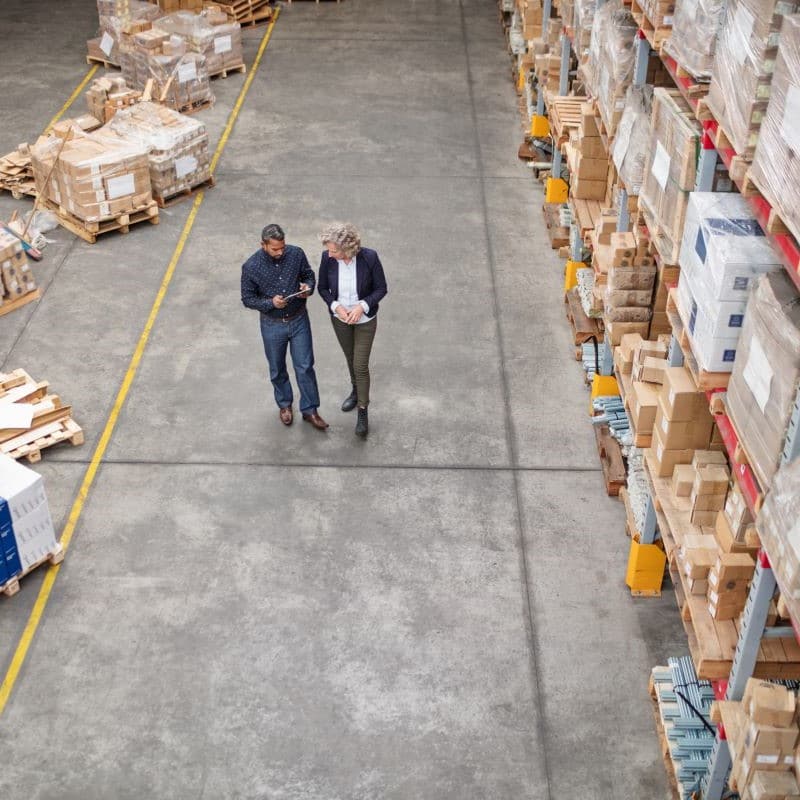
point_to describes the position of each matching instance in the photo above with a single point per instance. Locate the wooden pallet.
(583, 326)
(89, 231)
(565, 115)
(13, 305)
(11, 587)
(663, 741)
(654, 30)
(614, 473)
(31, 443)
(223, 73)
(103, 62)
(177, 197)
(194, 108)
(557, 233)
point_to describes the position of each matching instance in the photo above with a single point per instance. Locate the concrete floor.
(248, 611)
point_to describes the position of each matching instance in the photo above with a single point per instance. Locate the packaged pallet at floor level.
(631, 140)
(16, 278)
(176, 145)
(766, 373)
(743, 66)
(670, 170)
(775, 168)
(695, 26)
(114, 15)
(779, 528)
(97, 175)
(220, 44)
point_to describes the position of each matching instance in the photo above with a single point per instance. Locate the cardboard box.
(683, 480)
(683, 435)
(768, 785)
(734, 566)
(697, 562)
(705, 458)
(703, 517)
(711, 479)
(708, 502)
(643, 403)
(653, 370)
(665, 460)
(769, 704)
(682, 400)
(628, 345)
(616, 330)
(770, 741)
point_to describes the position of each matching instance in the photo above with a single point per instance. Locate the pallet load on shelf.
(95, 176)
(176, 146)
(766, 372)
(27, 535)
(221, 44)
(180, 76)
(778, 528)
(695, 27)
(586, 159)
(743, 65)
(775, 168)
(17, 285)
(734, 527)
(629, 287)
(114, 15)
(583, 23)
(632, 136)
(722, 252)
(106, 95)
(531, 14)
(670, 171)
(547, 60)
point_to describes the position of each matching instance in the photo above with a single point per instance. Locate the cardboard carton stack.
(722, 252)
(106, 95)
(645, 365)
(547, 59)
(766, 372)
(587, 159)
(728, 585)
(96, 177)
(16, 278)
(763, 749)
(221, 44)
(114, 16)
(531, 14)
(176, 146)
(734, 525)
(775, 167)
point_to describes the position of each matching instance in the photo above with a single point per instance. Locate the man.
(276, 280)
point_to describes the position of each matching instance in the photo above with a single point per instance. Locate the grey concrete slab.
(595, 644)
(260, 641)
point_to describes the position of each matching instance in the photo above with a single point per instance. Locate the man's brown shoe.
(286, 415)
(316, 420)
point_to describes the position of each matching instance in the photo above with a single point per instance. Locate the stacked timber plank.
(245, 12)
(32, 419)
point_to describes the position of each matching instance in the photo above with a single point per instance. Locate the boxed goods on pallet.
(16, 278)
(583, 22)
(695, 27)
(778, 527)
(609, 70)
(632, 137)
(176, 146)
(107, 95)
(169, 6)
(629, 289)
(766, 373)
(95, 176)
(114, 15)
(670, 170)
(221, 45)
(587, 159)
(722, 252)
(27, 536)
(743, 65)
(531, 16)
(775, 169)
(734, 526)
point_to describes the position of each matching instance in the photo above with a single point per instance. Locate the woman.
(352, 284)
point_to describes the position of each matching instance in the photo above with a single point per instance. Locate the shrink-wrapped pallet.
(695, 27)
(775, 166)
(16, 278)
(766, 373)
(220, 44)
(114, 16)
(584, 20)
(611, 57)
(632, 138)
(176, 145)
(96, 176)
(670, 170)
(743, 65)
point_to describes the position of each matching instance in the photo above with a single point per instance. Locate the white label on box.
(713, 597)
(758, 373)
(665, 425)
(660, 168)
(222, 44)
(712, 579)
(187, 72)
(185, 165)
(659, 452)
(121, 186)
(97, 183)
(107, 44)
(790, 131)
(94, 169)
(788, 760)
(767, 759)
(671, 398)
(105, 210)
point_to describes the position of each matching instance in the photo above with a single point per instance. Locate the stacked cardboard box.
(97, 176)
(16, 278)
(106, 95)
(763, 752)
(531, 15)
(176, 145)
(582, 25)
(632, 135)
(16, 174)
(587, 159)
(649, 361)
(775, 167)
(743, 66)
(766, 372)
(629, 289)
(547, 58)
(722, 252)
(221, 45)
(734, 526)
(696, 556)
(114, 15)
(728, 585)
(27, 535)
(695, 27)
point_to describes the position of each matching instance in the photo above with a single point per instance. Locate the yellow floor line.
(88, 479)
(72, 98)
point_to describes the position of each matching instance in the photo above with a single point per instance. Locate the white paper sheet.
(16, 415)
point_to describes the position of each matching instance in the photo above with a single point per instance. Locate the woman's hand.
(355, 314)
(341, 312)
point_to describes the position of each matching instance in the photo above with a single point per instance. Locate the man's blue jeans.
(296, 335)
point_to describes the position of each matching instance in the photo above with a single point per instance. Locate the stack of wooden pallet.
(246, 12)
(16, 173)
(31, 418)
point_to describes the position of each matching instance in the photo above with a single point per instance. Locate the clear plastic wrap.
(631, 278)
(584, 20)
(220, 44)
(695, 27)
(779, 530)
(670, 170)
(765, 377)
(177, 146)
(114, 16)
(96, 175)
(775, 167)
(632, 138)
(743, 66)
(611, 57)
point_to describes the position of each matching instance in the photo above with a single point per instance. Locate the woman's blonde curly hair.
(344, 236)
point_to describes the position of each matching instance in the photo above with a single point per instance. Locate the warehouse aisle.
(259, 612)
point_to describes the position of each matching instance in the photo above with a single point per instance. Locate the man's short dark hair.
(272, 231)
